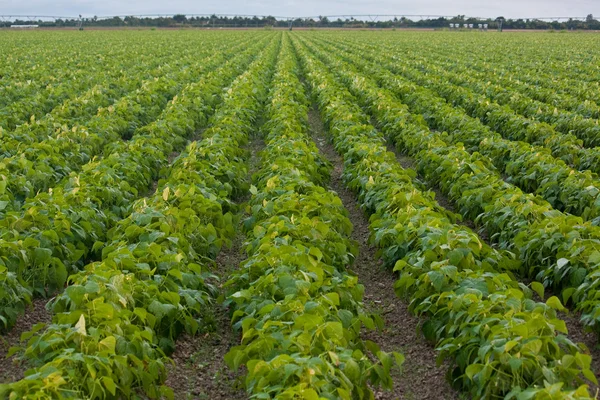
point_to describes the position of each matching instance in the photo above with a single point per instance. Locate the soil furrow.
(13, 368)
(420, 377)
(199, 370)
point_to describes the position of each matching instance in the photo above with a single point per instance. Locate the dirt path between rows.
(577, 332)
(13, 368)
(199, 370)
(420, 377)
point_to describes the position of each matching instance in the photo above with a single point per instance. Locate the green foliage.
(555, 248)
(299, 310)
(477, 314)
(58, 231)
(118, 318)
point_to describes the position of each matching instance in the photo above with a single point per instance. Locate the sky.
(302, 8)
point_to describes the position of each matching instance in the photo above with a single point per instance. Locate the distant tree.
(589, 18)
(500, 20)
(179, 18)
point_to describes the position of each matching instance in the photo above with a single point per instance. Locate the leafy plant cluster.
(560, 116)
(45, 73)
(61, 85)
(502, 119)
(118, 318)
(48, 152)
(557, 249)
(567, 82)
(545, 105)
(58, 231)
(299, 309)
(564, 66)
(32, 63)
(547, 94)
(78, 110)
(531, 168)
(98, 92)
(502, 342)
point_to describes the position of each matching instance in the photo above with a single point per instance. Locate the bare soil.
(579, 334)
(420, 377)
(13, 368)
(199, 370)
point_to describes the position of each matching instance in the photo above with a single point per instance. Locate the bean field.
(222, 214)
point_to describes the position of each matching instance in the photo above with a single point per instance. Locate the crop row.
(531, 168)
(501, 341)
(32, 64)
(541, 86)
(115, 84)
(47, 88)
(118, 318)
(70, 84)
(60, 230)
(568, 66)
(555, 248)
(300, 311)
(566, 122)
(570, 124)
(563, 113)
(548, 94)
(500, 118)
(40, 166)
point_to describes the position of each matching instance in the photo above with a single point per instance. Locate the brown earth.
(420, 377)
(199, 370)
(13, 368)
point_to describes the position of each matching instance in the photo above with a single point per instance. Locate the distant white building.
(24, 26)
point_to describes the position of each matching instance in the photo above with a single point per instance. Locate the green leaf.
(76, 293)
(509, 345)
(515, 364)
(538, 288)
(566, 294)
(554, 302)
(109, 343)
(334, 298)
(399, 357)
(42, 256)
(352, 370)
(437, 279)
(309, 394)
(61, 274)
(472, 370)
(589, 375)
(109, 384)
(399, 266)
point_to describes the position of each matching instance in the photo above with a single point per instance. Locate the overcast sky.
(477, 8)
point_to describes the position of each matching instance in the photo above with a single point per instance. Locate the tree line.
(215, 21)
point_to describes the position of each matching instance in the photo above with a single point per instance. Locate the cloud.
(508, 8)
